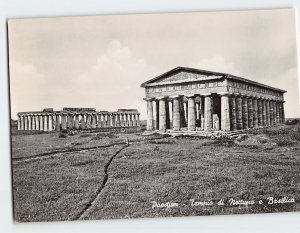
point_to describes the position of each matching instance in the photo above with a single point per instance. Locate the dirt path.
(88, 206)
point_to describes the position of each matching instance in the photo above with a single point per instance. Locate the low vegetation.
(154, 168)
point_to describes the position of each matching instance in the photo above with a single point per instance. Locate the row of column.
(57, 121)
(41, 122)
(235, 112)
(184, 114)
(251, 112)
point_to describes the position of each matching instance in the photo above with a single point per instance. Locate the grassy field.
(99, 176)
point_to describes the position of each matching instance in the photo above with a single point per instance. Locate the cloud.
(25, 85)
(217, 63)
(113, 81)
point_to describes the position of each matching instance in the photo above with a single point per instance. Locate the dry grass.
(163, 169)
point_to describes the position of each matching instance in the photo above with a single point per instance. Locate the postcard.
(154, 115)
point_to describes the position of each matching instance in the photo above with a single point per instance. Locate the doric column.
(89, 121)
(41, 122)
(50, 123)
(149, 115)
(19, 122)
(282, 112)
(133, 119)
(37, 122)
(271, 112)
(255, 112)
(191, 116)
(70, 121)
(117, 120)
(277, 113)
(245, 112)
(108, 120)
(201, 112)
(264, 112)
(138, 120)
(250, 112)
(157, 115)
(33, 122)
(82, 121)
(239, 113)
(186, 111)
(93, 120)
(125, 119)
(259, 112)
(25, 122)
(268, 121)
(182, 114)
(76, 122)
(128, 119)
(45, 117)
(57, 123)
(225, 115)
(99, 121)
(232, 109)
(168, 123)
(207, 113)
(29, 123)
(64, 120)
(176, 114)
(162, 114)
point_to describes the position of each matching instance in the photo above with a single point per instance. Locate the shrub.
(62, 135)
(223, 139)
(284, 141)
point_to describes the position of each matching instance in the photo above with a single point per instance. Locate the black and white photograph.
(154, 115)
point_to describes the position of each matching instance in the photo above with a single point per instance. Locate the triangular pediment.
(182, 75)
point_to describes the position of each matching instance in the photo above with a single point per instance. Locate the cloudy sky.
(100, 61)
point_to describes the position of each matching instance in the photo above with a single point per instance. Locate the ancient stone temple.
(77, 118)
(191, 99)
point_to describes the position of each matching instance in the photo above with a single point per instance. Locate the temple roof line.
(215, 75)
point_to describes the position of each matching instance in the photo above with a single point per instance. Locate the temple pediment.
(182, 75)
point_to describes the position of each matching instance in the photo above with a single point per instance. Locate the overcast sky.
(101, 61)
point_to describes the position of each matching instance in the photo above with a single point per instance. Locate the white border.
(282, 222)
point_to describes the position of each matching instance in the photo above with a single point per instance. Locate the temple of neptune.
(191, 100)
(77, 118)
